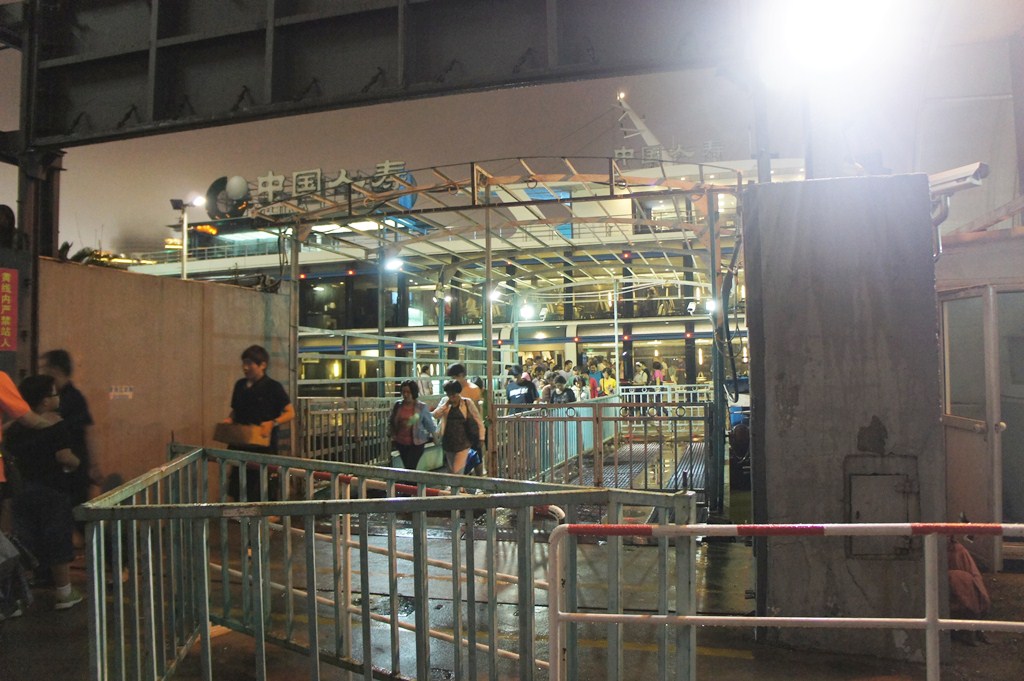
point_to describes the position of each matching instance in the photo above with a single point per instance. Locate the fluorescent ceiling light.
(249, 236)
(330, 228)
(364, 226)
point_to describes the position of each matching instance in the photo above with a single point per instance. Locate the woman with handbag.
(462, 427)
(411, 425)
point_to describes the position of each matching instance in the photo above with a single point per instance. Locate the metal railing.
(563, 612)
(393, 586)
(399, 360)
(232, 250)
(349, 430)
(690, 397)
(604, 442)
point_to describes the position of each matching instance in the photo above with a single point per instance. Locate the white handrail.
(931, 622)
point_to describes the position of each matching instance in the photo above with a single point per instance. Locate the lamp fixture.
(182, 205)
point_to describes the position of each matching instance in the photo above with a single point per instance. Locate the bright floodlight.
(393, 263)
(199, 201)
(828, 38)
(526, 312)
(495, 294)
(710, 305)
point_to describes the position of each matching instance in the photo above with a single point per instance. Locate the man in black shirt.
(42, 508)
(261, 401)
(74, 410)
(523, 391)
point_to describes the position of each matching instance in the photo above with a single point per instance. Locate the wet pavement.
(44, 644)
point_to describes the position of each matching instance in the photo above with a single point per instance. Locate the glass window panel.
(965, 358)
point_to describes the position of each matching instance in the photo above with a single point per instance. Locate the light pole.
(182, 205)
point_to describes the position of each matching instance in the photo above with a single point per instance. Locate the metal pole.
(716, 471)
(442, 352)
(293, 345)
(763, 153)
(380, 383)
(492, 418)
(931, 605)
(516, 303)
(615, 316)
(184, 241)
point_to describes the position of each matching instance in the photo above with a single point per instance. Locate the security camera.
(691, 307)
(951, 181)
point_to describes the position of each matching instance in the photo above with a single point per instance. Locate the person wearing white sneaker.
(42, 507)
(67, 597)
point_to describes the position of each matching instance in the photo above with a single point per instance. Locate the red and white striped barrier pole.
(931, 622)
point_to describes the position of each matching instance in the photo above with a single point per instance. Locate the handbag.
(439, 433)
(472, 428)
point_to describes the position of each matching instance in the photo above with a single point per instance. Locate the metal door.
(1010, 426)
(971, 415)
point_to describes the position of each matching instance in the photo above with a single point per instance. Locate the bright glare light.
(814, 39)
(710, 305)
(199, 201)
(249, 236)
(393, 263)
(495, 294)
(364, 226)
(447, 298)
(526, 312)
(622, 95)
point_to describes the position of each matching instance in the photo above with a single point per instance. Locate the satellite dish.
(219, 203)
(238, 188)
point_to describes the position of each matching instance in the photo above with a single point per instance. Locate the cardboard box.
(238, 434)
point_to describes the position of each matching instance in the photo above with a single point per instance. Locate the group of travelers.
(571, 383)
(455, 424)
(46, 469)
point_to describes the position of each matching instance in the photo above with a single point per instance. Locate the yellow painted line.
(734, 653)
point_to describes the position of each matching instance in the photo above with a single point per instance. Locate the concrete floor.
(44, 644)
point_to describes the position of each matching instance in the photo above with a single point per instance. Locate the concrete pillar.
(845, 398)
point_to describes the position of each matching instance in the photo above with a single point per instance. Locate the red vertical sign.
(8, 310)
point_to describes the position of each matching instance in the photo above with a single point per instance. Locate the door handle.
(1000, 427)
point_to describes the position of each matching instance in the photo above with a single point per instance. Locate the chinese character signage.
(311, 189)
(8, 310)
